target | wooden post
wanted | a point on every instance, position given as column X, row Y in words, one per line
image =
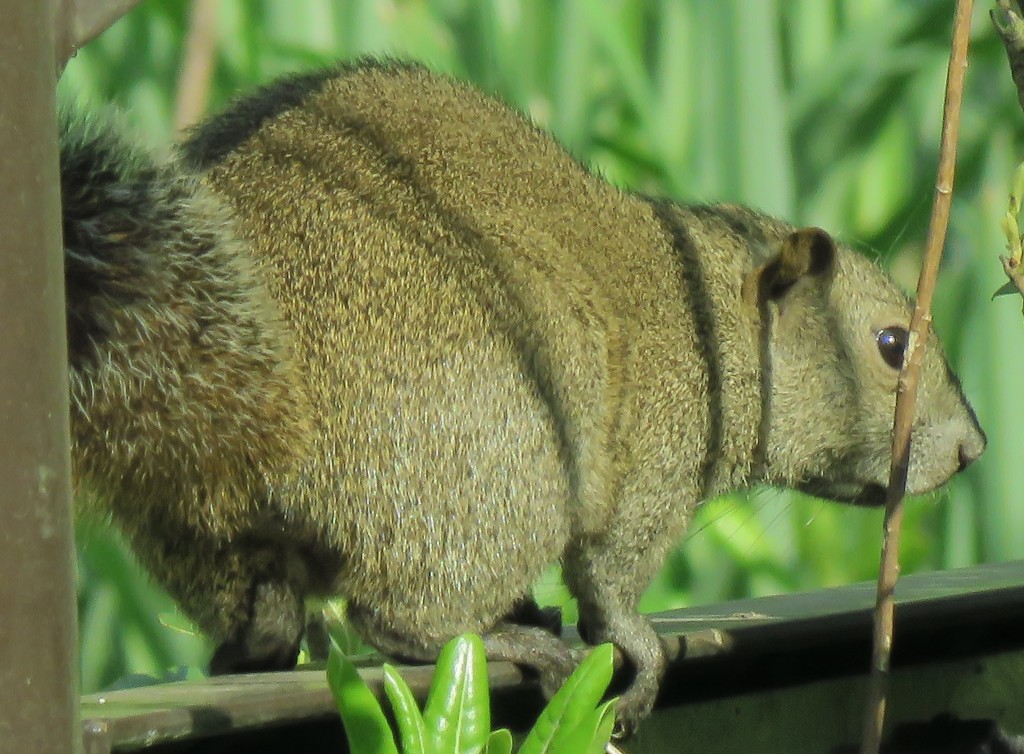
column 38, row 624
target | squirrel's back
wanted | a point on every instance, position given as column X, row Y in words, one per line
column 388, row 197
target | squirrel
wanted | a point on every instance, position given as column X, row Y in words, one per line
column 370, row 332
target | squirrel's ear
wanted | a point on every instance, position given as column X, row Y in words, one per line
column 808, row 252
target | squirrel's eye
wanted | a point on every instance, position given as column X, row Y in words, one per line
column 892, row 344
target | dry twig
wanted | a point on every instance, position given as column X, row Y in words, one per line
column 907, row 394
column 197, row 64
column 81, row 21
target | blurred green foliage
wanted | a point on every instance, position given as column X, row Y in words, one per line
column 826, row 112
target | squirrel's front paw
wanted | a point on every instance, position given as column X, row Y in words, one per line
column 633, row 707
column 645, row 652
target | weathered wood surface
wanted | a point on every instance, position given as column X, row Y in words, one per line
column 733, row 648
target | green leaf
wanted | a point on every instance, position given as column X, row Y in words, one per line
column 411, row 728
column 603, row 729
column 499, row 742
column 1005, row 289
column 458, row 712
column 590, row 736
column 574, row 702
column 366, row 727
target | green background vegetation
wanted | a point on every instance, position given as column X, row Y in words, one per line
column 825, row 112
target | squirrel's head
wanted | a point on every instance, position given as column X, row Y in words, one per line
column 835, row 329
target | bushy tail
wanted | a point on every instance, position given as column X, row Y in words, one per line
column 121, row 206
column 184, row 391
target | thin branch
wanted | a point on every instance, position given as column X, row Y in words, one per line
column 197, row 64
column 909, row 377
column 1010, row 27
column 81, row 21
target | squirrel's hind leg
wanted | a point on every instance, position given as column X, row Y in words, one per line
column 247, row 594
column 269, row 640
column 536, row 648
column 524, row 638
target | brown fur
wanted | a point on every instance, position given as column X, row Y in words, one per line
column 429, row 354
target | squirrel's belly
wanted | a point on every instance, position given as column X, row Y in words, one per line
column 437, row 453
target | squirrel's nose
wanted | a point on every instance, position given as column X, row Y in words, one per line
column 972, row 445
column 966, row 457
